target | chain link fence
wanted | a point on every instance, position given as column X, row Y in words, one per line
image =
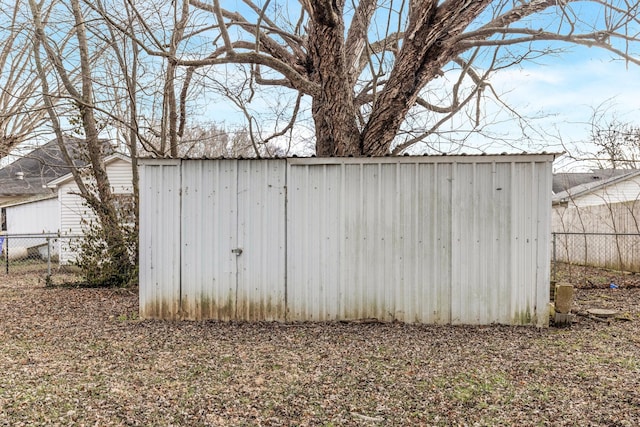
column 614, row 251
column 52, row 255
column 46, row 254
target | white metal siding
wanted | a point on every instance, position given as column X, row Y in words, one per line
column 439, row 242
column 364, row 241
column 261, row 236
column 544, row 180
column 208, row 234
column 34, row 217
column 160, row 240
column 416, row 239
column 231, row 205
column 481, row 243
column 313, row 281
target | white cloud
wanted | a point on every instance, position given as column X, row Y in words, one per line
column 570, row 90
column 566, row 94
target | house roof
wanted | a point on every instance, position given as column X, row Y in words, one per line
column 6, row 202
column 69, row 176
column 596, row 182
column 28, row 175
column 565, row 181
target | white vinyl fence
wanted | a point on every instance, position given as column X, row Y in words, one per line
column 447, row 239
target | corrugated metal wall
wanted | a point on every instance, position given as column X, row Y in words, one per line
column 230, row 206
column 159, row 239
column 416, row 239
column 367, row 240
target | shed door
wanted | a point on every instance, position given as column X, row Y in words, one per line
column 232, row 239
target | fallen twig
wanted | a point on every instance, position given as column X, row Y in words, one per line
column 367, row 418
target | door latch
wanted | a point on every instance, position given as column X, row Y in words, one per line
column 236, row 251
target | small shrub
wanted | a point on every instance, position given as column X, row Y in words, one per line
column 102, row 264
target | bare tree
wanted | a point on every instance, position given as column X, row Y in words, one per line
column 617, row 144
column 371, row 67
column 101, row 200
column 158, row 89
column 20, row 117
column 211, row 140
column 612, row 142
column 376, row 77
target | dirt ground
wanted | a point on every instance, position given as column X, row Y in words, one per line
column 72, row 356
column 594, row 278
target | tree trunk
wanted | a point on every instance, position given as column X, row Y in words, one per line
column 333, row 110
column 427, row 47
column 104, row 207
column 397, row 98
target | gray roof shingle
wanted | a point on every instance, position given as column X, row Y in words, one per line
column 28, row 174
column 565, row 181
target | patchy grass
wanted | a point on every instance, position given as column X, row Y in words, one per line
column 73, row 356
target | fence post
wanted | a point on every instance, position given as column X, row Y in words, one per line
column 6, row 253
column 48, row 256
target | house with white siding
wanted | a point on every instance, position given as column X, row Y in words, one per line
column 38, row 195
column 27, row 203
column 609, row 205
column 596, row 222
column 72, row 209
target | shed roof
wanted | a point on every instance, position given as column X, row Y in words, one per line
column 461, row 157
column 23, row 200
column 426, row 158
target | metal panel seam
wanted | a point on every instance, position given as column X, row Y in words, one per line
column 180, row 311
column 286, row 241
column 455, row 256
column 237, row 234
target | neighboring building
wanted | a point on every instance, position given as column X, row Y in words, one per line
column 25, row 179
column 33, row 217
column 24, row 195
column 38, row 193
column 600, row 205
column 566, row 180
column 596, row 222
column 72, row 209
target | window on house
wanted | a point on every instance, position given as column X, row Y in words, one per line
column 4, row 219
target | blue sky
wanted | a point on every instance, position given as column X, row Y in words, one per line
column 563, row 90
column 567, row 89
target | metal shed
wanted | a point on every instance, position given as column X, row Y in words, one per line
column 441, row 239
